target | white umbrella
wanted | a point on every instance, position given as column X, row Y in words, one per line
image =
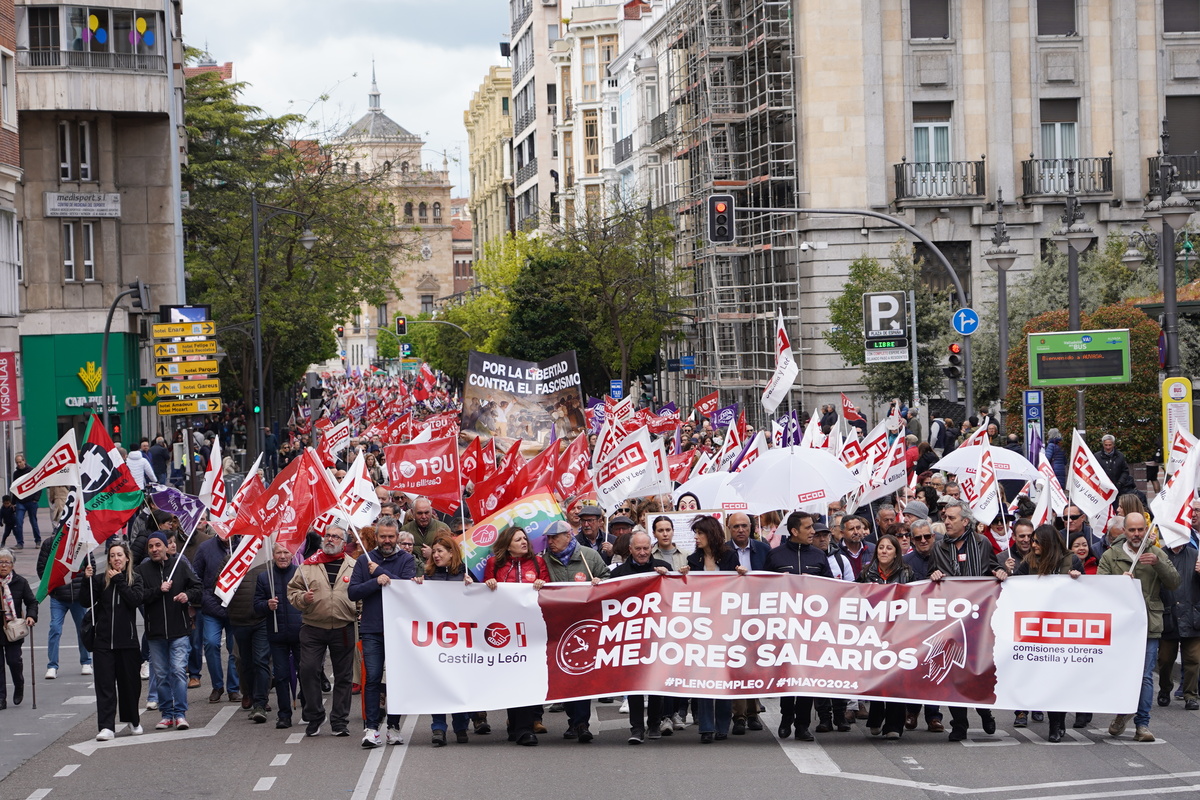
column 711, row 489
column 788, row 478
column 1009, row 465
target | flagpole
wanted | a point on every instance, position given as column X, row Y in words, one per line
column 271, row 580
column 179, row 552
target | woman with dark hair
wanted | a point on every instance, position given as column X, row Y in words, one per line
column 1049, row 556
column 115, row 598
column 902, row 534
column 1081, row 547
column 446, row 564
column 712, row 554
column 926, row 458
column 887, row 567
column 687, row 502
column 512, row 561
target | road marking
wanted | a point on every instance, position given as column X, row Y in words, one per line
column 281, row 760
column 911, row 763
column 809, row 758
column 294, row 738
column 59, row 716
column 264, row 784
column 1095, row 795
column 1079, row 739
column 38, row 794
column 387, row 784
column 211, row 729
column 80, row 700
column 66, row 770
column 367, row 777
column 977, row 738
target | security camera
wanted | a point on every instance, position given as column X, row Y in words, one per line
column 804, row 247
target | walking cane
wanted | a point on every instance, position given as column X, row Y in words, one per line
column 32, row 671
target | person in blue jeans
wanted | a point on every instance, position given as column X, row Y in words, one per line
column 211, row 558
column 283, row 623
column 26, row 506
column 63, row 600
column 374, row 570
column 165, row 603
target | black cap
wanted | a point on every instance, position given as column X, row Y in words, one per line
column 820, row 527
column 621, row 520
column 590, row 510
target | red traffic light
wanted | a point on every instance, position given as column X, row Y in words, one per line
column 955, row 348
column 721, row 208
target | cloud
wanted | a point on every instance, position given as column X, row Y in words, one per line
column 314, row 58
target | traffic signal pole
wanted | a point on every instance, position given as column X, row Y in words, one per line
column 968, row 386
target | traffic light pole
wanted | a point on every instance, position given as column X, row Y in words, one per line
column 968, row 386
column 104, row 355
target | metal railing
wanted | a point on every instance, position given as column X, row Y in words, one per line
column 1187, row 172
column 526, row 172
column 1050, row 176
column 525, row 119
column 70, row 59
column 522, row 69
column 944, row 179
column 661, row 126
column 520, row 13
column 623, row 150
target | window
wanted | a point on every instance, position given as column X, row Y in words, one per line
column 551, row 34
column 933, row 274
column 426, row 304
column 423, row 212
column 929, row 19
column 591, row 142
column 68, row 240
column 381, row 315
column 437, row 212
column 1057, row 17
column 8, row 89
column 357, row 322
column 89, row 30
column 931, row 133
column 20, row 252
column 408, row 212
column 1183, row 116
column 588, row 51
column 1058, row 128
column 504, row 106
column 75, row 151
column 1181, row 16
column 43, row 30
column 87, row 251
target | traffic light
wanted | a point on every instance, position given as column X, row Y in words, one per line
column 341, row 331
column 142, row 298
column 257, row 404
column 401, row 326
column 954, row 369
column 721, row 219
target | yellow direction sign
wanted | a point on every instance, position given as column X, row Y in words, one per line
column 167, row 350
column 178, row 369
column 168, row 330
column 210, row 405
column 177, row 388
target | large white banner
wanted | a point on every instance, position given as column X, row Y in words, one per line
column 1053, row 643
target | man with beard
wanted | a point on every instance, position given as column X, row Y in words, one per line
column 372, row 572
column 319, row 591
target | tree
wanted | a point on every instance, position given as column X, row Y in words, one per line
column 845, row 333
column 236, row 151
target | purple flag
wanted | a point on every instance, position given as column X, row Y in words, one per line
column 725, row 417
column 669, row 408
column 795, row 430
column 598, row 412
column 189, row 509
column 1035, row 441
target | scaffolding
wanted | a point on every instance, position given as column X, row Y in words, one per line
column 731, row 90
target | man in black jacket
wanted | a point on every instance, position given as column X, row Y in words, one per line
column 211, row 558
column 643, row 714
column 165, row 602
column 963, row 553
column 63, row 600
column 799, row 557
column 24, row 605
column 283, row 630
column 1115, row 467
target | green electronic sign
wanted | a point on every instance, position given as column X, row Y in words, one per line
column 1078, row 358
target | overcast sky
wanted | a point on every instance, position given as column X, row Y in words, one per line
column 430, row 57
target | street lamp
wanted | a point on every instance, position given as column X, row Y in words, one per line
column 261, row 214
column 1074, row 235
column 1000, row 256
column 1166, row 215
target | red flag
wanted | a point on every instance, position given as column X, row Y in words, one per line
column 512, row 458
column 680, row 465
column 572, row 468
column 849, row 412
column 110, row 494
column 471, row 463
column 488, row 463
column 707, row 405
column 537, row 472
column 429, row 468
column 741, row 425
column 297, row 496
column 490, row 492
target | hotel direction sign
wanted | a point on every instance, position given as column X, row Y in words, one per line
column 83, row 204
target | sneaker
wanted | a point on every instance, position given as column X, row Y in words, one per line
column 371, row 738
column 1191, row 705
column 145, row 671
column 181, row 723
column 51, row 674
column 892, row 735
column 283, row 723
column 637, row 735
column 439, row 738
column 1117, row 726
column 1143, row 734
column 654, row 731
column 461, row 737
column 136, row 730
column 152, row 705
column 258, row 715
column 85, row 669
column 677, row 722
column 394, row 737
column 165, row 725
column 583, row 733
column 105, row 735
column 313, row 729
column 1022, row 720
column 193, row 683
column 215, row 696
column 341, row 732
column 624, row 709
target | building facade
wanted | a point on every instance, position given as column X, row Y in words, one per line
column 99, row 92
column 489, row 124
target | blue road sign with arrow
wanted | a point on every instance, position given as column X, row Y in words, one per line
column 965, row 321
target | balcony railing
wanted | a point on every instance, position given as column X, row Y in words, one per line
column 940, row 179
column 522, row 69
column 524, row 120
column 1051, row 176
column 1187, row 172
column 526, row 172
column 661, row 126
column 117, row 62
column 623, row 149
column 520, row 12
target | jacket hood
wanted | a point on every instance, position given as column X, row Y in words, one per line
column 134, row 455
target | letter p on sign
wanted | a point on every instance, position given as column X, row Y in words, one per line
column 883, row 308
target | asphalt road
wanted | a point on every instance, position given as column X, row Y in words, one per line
column 50, row 752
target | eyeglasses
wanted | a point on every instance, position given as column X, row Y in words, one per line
column 333, row 537
column 405, row 544
column 924, row 538
column 1075, row 516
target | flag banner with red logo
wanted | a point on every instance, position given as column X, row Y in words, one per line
column 425, row 468
column 470, row 463
column 572, row 468
column 238, row 567
column 516, row 399
column 630, row 469
column 1053, row 643
column 334, row 440
column 849, row 412
column 1172, row 507
column 212, row 491
column 297, row 496
column 785, row 369
column 73, row 541
column 59, row 467
column 708, row 404
column 252, row 486
column 1088, row 485
column 534, row 513
column 110, row 493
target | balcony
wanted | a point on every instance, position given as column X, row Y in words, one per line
column 662, row 125
column 623, row 150
column 522, row 69
column 524, row 120
column 526, row 172
column 917, row 180
column 70, row 59
column 1049, row 176
column 1187, row 172
column 520, row 10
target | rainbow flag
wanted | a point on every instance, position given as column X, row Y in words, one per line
column 533, row 512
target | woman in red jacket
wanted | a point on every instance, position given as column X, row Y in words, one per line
column 512, row 561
